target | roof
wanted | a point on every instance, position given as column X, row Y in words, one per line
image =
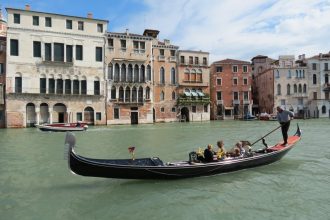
column 40, row 12
column 231, row 61
column 259, row 56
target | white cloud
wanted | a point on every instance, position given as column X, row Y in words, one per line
column 239, row 29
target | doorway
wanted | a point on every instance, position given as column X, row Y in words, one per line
column 185, row 114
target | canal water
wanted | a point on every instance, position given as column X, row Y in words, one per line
column 35, row 182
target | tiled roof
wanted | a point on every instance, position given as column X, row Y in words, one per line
column 231, row 61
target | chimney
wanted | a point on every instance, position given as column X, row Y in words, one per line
column 90, row 15
column 127, row 31
column 27, row 7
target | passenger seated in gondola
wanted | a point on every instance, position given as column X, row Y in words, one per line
column 208, row 154
column 221, row 153
column 238, row 150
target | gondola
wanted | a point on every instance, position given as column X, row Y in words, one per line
column 155, row 168
column 63, row 127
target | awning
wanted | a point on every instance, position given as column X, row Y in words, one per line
column 200, row 94
column 229, row 108
column 194, row 94
column 187, row 93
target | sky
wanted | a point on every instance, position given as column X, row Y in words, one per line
column 235, row 29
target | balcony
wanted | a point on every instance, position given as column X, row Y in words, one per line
column 219, row 102
column 326, row 87
column 246, row 102
column 127, row 102
column 193, row 100
column 172, row 59
column 56, row 63
column 300, row 95
column 236, row 102
column 161, row 58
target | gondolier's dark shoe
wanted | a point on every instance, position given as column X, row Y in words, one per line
column 284, row 144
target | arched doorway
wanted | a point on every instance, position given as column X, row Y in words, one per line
column 44, row 113
column 185, row 114
column 30, row 115
column 59, row 113
column 89, row 115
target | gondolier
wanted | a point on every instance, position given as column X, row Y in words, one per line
column 284, row 117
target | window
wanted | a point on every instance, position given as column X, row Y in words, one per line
column 48, row 51
column 83, row 87
column 245, row 81
column 314, row 95
column 305, row 88
column 162, row 76
column 35, row 20
column 96, row 87
column 51, row 86
column 18, row 84
column 79, row 52
column 219, row 95
column 75, row 89
column 59, row 52
column 100, row 28
column 173, row 76
column 314, row 79
column 69, row 53
column 288, row 89
column 172, row 53
column 326, row 68
column 14, row 47
column 278, row 89
column 193, row 108
column 123, row 44
column 173, row 109
column 162, row 96
column 235, row 81
column 173, row 95
column 68, row 24
column 235, row 95
column 323, row 109
column 36, row 49
column 43, row 85
column 206, row 109
column 98, row 54
column 191, row 60
column 289, row 74
column 282, row 101
column 219, row 69
column 17, row 18
column 67, row 84
column 162, row 109
column 295, row 88
column 48, row 21
column 245, row 96
column 235, row 69
column 149, row 73
column 196, row 61
column 219, row 81
column 300, row 101
column 314, row 66
column 2, row 68
column 147, row 93
column 79, row 116
column 110, row 42
column 98, row 116
column 80, row 25
column 245, row 69
column 277, row 74
column 59, row 86
column 161, row 52
column 181, row 59
column 116, row 113
column 204, row 61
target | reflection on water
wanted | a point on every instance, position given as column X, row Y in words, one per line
column 36, row 184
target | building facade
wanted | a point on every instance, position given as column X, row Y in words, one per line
column 319, row 85
column 55, row 68
column 129, row 78
column 3, row 30
column 193, row 100
column 231, row 95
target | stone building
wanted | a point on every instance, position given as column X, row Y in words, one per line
column 165, row 79
column 129, row 78
column 230, row 89
column 55, row 68
column 194, row 86
column 319, row 85
column 3, row 29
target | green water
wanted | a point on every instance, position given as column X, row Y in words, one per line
column 35, row 182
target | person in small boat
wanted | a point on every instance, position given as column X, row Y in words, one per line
column 238, row 150
column 221, row 153
column 284, row 117
column 208, row 153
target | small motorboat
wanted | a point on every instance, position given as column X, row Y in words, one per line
column 63, row 127
column 155, row 168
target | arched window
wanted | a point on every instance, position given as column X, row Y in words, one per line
column 324, row 109
column 303, row 74
column 134, row 94
column 277, row 74
column 116, row 74
column 173, row 76
column 300, row 74
column 314, row 79
column 288, row 88
column 199, row 75
column 278, row 89
column 299, row 88
column 123, row 73
column 193, row 75
column 296, row 73
column 110, row 71
column 186, row 75
column 305, row 88
column 326, row 78
column 140, row 94
column 127, row 94
column 121, row 94
column 113, row 92
column 148, row 73
column 289, row 73
column 162, row 96
column 142, row 74
column 130, row 73
column 148, row 93
column 97, row 86
column 173, row 95
column 162, row 75
column 136, row 73
column 295, row 88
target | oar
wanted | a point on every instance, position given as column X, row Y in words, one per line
column 265, row 135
